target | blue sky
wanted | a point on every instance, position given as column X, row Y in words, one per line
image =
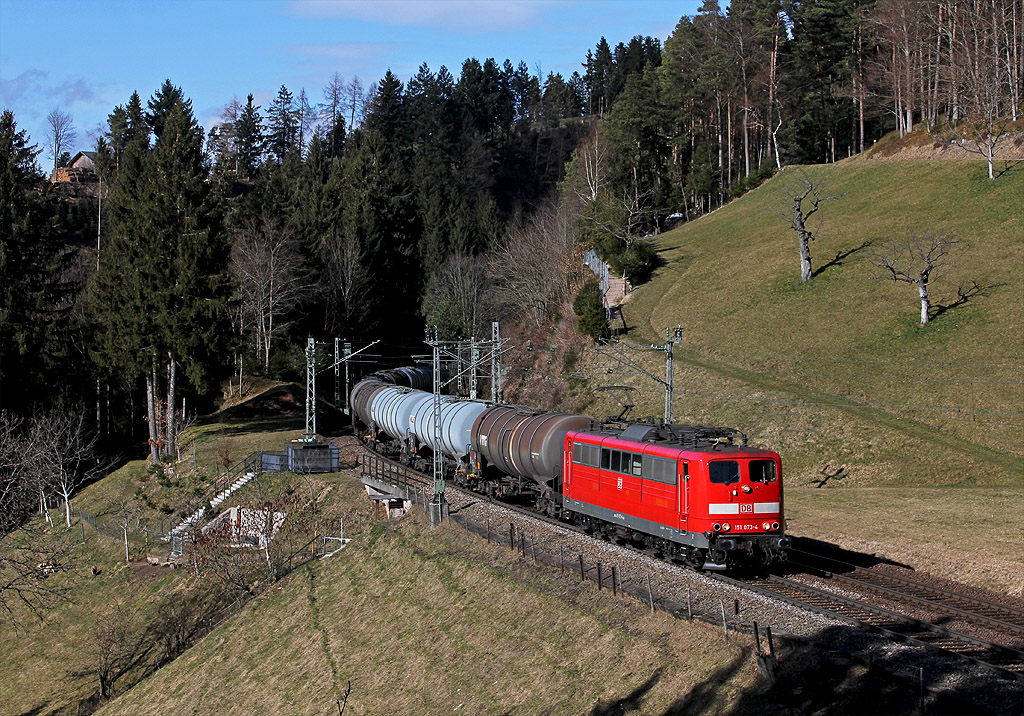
column 86, row 56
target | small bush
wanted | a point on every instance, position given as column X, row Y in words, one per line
column 589, row 307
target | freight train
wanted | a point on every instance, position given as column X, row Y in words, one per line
column 695, row 494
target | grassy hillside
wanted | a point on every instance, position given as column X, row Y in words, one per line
column 44, row 664
column 838, row 371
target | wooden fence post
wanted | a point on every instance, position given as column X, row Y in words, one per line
column 650, row 593
column 599, row 578
column 725, row 624
column 583, row 574
column 689, row 609
column 615, row 579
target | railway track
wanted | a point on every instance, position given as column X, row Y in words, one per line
column 899, row 627
column 1005, row 619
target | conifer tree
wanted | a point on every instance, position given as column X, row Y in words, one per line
column 30, row 263
column 249, row 139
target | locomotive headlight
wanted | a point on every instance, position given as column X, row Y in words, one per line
column 716, row 527
column 767, row 526
column 726, row 527
column 775, row 525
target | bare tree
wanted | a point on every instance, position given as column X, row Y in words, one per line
column 29, row 553
column 120, row 645
column 127, row 509
column 355, row 100
column 64, row 447
column 919, row 261
column 60, row 133
column 537, row 266
column 271, row 273
column 983, row 81
column 458, row 296
column 805, row 197
column 345, row 281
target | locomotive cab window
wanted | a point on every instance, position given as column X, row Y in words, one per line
column 762, row 471
column 724, row 472
column 584, row 454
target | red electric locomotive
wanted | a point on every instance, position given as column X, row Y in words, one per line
column 688, row 491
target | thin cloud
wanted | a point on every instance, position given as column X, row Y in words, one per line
column 77, row 91
column 27, row 83
column 34, row 85
column 462, row 14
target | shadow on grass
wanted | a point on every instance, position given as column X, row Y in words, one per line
column 1009, row 165
column 630, row 702
column 858, row 559
column 963, row 296
column 815, row 679
column 840, row 257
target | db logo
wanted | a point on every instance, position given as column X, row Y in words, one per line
column 746, row 508
column 620, row 483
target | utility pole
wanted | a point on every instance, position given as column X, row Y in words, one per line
column 454, row 351
column 337, row 374
column 310, row 435
column 496, row 342
column 670, row 341
column 438, row 503
column 311, row 371
column 348, row 384
column 614, row 349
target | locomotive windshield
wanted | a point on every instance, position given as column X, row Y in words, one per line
column 724, row 472
column 762, row 471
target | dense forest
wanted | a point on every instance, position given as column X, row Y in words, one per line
column 448, row 200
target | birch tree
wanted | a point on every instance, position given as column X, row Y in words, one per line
column 272, row 279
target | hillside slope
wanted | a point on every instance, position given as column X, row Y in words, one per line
column 838, row 370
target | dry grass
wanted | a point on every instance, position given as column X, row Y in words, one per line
column 39, row 658
column 422, row 621
column 975, row 538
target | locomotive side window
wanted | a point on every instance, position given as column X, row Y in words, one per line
column 606, row 458
column 659, row 469
column 636, row 465
column 584, row 454
column 762, row 471
column 724, row 472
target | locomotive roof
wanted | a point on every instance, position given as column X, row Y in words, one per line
column 676, row 435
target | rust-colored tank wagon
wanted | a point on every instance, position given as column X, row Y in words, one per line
column 523, row 442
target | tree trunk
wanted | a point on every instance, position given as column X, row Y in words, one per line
column 172, row 384
column 922, row 289
column 67, row 506
column 805, row 256
column 154, row 455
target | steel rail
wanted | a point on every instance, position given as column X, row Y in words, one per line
column 1007, row 661
column 974, row 609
